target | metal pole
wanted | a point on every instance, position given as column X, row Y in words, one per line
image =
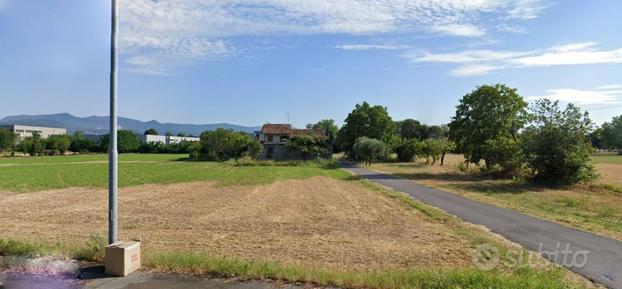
column 113, row 172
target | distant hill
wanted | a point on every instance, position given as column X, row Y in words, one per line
column 99, row 124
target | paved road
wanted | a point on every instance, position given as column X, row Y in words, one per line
column 604, row 256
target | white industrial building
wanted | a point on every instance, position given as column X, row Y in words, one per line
column 23, row 131
column 167, row 140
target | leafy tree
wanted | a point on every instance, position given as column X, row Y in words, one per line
column 168, row 133
column 612, row 133
column 26, row 145
column 366, row 121
column 151, row 131
column 487, row 116
column 36, row 145
column 194, row 149
column 223, row 144
column 557, row 144
column 309, row 146
column 410, row 129
column 7, row 140
column 407, row 149
column 127, row 141
column 330, row 130
column 59, row 143
column 369, row 150
column 181, row 134
column 596, row 138
column 79, row 143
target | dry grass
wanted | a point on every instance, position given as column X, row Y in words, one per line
column 315, row 222
column 593, row 208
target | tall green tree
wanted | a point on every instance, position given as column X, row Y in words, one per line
column 308, row 146
column 557, row 144
column 410, row 129
column 127, row 141
column 366, row 121
column 330, row 130
column 151, row 131
column 223, row 144
column 485, row 118
column 7, row 140
column 59, row 143
column 612, row 133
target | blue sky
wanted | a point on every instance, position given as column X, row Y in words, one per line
column 254, row 61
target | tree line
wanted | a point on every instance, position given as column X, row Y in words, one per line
column 494, row 127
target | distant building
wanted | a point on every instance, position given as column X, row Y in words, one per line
column 167, row 140
column 274, row 138
column 23, row 131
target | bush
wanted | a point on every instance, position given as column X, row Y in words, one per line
column 406, row 150
column 369, row 150
column 222, row 144
column 557, row 144
column 308, row 146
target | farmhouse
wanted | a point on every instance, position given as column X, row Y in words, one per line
column 23, row 131
column 274, row 138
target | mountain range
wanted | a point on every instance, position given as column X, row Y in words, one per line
column 99, row 124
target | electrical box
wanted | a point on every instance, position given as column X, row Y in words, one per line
column 122, row 258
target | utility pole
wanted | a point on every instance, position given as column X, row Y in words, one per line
column 113, row 170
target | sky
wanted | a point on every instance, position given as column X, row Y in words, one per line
column 250, row 62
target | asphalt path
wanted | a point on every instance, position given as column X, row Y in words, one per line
column 595, row 257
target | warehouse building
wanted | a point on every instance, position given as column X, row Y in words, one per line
column 23, row 131
column 167, row 140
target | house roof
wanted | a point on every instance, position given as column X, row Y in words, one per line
column 276, row 128
column 286, row 129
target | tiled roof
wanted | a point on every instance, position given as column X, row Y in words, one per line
column 287, row 129
column 276, row 128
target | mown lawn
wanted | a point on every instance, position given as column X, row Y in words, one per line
column 596, row 207
column 607, row 159
column 42, row 173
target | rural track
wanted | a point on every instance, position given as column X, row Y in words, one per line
column 604, row 256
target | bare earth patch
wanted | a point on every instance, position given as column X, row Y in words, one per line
column 318, row 222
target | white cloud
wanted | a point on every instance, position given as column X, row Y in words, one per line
column 186, row 31
column 477, row 62
column 602, row 95
column 370, row 47
column 459, row 29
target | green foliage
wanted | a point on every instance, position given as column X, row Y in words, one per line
column 58, row 143
column 406, row 150
column 7, row 139
column 79, row 143
column 411, row 129
column 434, row 149
column 366, row 121
column 127, row 142
column 308, row 146
column 486, row 118
column 223, row 144
column 369, row 150
column 612, row 133
column 330, row 131
column 151, row 131
column 557, row 144
column 194, row 149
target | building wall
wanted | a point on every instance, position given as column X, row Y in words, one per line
column 167, row 140
column 24, row 131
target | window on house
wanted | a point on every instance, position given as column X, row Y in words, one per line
column 270, row 138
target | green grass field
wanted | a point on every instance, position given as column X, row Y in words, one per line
column 42, row 173
column 607, row 159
